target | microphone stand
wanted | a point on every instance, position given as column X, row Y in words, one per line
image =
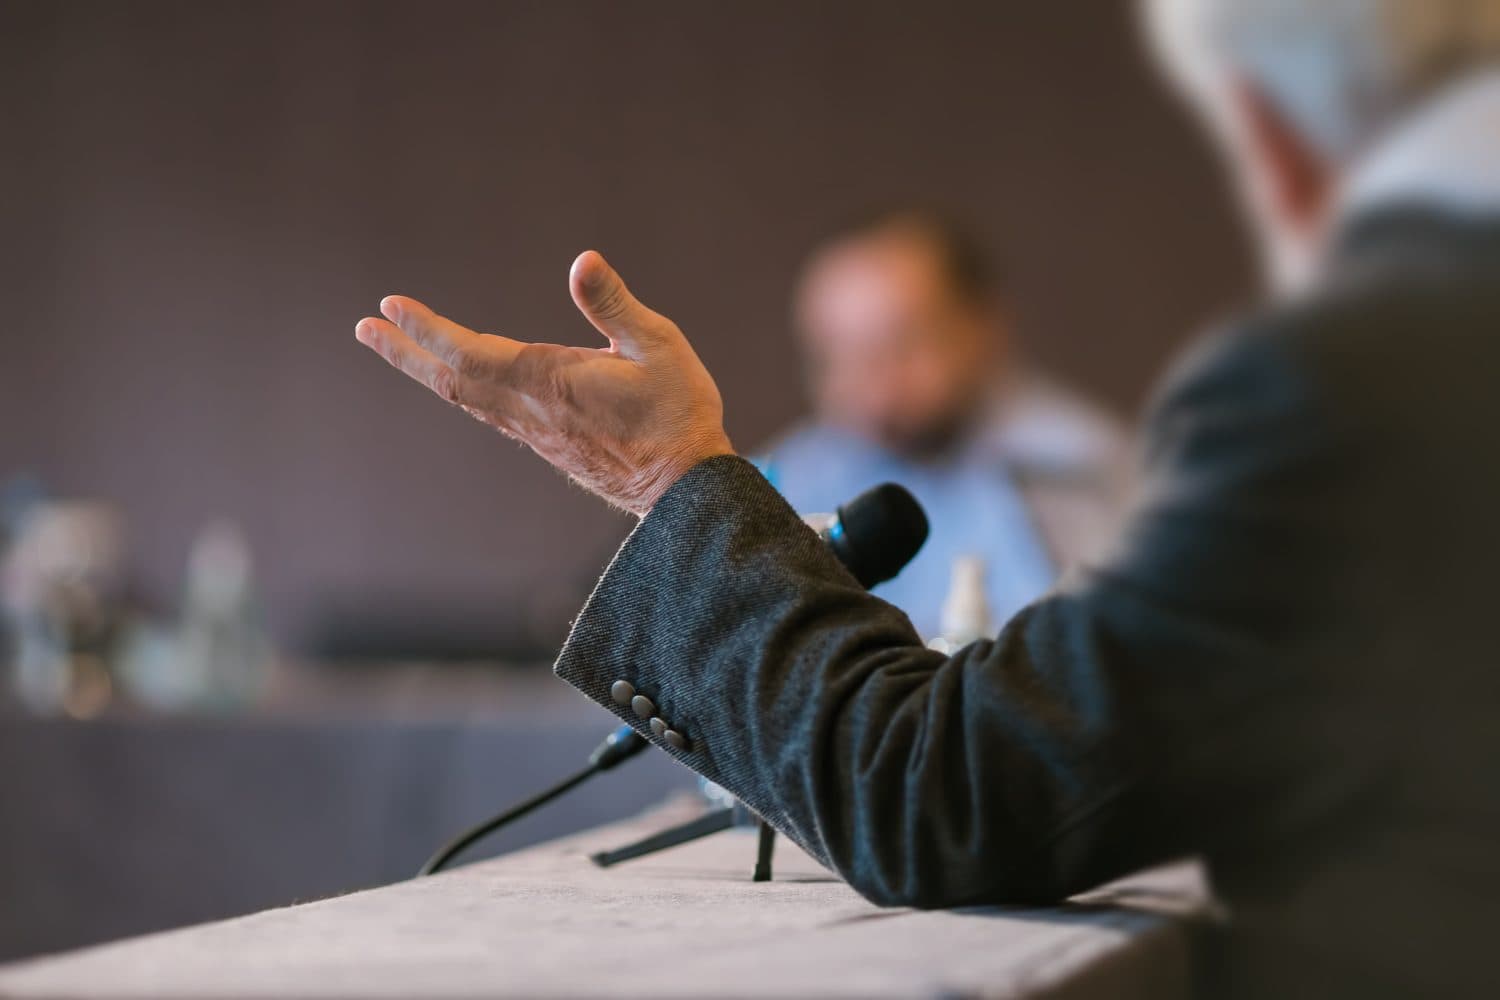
column 721, row 818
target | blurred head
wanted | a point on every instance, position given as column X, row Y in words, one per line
column 901, row 331
column 1298, row 90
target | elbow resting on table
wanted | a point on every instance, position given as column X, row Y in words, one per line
column 921, row 877
column 897, row 844
column 918, row 812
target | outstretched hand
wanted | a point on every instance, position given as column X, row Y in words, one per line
column 624, row 421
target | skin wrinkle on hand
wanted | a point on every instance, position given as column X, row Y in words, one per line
column 625, row 422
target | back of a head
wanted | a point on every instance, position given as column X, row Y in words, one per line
column 1341, row 71
column 1396, row 356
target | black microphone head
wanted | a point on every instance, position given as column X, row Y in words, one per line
column 878, row 533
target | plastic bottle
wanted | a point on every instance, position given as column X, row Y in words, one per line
column 965, row 615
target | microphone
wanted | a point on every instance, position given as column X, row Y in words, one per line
column 877, row 533
column 874, row 535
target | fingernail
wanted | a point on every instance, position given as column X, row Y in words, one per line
column 593, row 273
column 388, row 308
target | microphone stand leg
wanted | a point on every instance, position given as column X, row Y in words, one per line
column 708, row 823
column 763, row 853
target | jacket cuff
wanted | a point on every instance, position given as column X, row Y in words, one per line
column 630, row 648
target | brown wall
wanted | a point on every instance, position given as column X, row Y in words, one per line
column 198, row 200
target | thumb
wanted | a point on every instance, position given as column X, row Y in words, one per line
column 602, row 297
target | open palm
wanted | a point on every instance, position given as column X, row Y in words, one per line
column 625, row 421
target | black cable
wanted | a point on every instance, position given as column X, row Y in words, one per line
column 620, row 745
column 442, row 857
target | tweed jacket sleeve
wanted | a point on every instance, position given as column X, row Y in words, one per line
column 1072, row 748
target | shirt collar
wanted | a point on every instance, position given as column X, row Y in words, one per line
column 1445, row 156
column 1032, row 424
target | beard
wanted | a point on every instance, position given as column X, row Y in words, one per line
column 931, row 439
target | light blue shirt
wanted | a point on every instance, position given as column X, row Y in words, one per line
column 973, row 503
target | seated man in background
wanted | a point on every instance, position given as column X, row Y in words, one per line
column 915, row 379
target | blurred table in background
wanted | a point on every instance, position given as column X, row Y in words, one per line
column 346, row 779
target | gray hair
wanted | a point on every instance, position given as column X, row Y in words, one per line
column 1339, row 70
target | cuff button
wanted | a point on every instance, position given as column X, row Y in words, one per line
column 643, row 706
column 622, row 692
column 675, row 740
column 658, row 725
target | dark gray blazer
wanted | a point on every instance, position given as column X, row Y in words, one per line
column 1287, row 666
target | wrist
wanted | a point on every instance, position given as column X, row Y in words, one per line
column 678, row 466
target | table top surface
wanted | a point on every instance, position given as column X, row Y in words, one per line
column 686, row 922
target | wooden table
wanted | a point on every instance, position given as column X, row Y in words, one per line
column 688, row 922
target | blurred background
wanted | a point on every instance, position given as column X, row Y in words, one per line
column 305, row 608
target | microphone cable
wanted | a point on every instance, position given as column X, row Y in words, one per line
column 618, row 746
